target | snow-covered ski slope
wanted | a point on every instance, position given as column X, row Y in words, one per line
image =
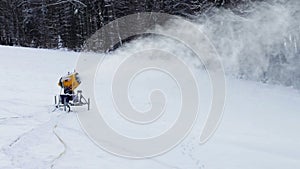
column 259, row 130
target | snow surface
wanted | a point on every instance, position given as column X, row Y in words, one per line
column 260, row 127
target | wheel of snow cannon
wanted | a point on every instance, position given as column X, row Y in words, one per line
column 65, row 103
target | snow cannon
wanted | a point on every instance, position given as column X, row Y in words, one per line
column 69, row 97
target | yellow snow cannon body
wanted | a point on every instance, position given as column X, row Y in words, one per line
column 70, row 81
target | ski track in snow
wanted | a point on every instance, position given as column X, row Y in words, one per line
column 62, row 142
column 27, row 134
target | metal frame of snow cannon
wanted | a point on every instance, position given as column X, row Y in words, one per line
column 77, row 100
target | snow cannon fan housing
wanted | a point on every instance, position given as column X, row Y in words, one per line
column 70, row 81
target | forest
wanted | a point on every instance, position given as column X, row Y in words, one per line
column 68, row 23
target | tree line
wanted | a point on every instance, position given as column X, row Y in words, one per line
column 67, row 23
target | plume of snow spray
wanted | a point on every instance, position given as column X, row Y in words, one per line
column 258, row 41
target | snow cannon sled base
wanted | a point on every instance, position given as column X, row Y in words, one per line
column 69, row 100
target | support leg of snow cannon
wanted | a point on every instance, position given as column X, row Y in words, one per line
column 79, row 96
column 56, row 104
column 82, row 99
column 89, row 103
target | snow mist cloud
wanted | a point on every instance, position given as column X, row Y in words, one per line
column 257, row 41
